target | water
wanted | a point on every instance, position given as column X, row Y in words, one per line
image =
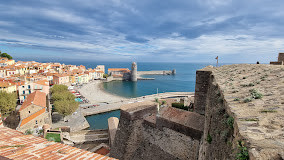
column 99, row 121
column 183, row 81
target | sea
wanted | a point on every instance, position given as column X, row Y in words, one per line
column 182, row 81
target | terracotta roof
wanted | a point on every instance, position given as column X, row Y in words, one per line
column 26, row 120
column 43, row 82
column 61, row 75
column 16, row 145
column 37, row 98
column 5, row 84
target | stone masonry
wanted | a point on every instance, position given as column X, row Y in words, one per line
column 143, row 133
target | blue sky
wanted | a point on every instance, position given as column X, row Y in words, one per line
column 238, row 31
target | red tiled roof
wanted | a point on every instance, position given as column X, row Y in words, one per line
column 16, row 145
column 26, row 120
column 43, row 82
column 37, row 98
column 5, row 84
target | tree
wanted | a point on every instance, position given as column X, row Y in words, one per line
column 64, row 95
column 6, row 55
column 58, row 88
column 105, row 75
column 65, row 107
column 63, row 100
column 8, row 102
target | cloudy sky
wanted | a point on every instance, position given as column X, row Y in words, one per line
column 238, row 31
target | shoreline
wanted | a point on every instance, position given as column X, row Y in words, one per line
column 95, row 93
column 102, row 89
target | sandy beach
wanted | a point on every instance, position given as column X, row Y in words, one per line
column 95, row 93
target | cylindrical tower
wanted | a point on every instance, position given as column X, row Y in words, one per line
column 134, row 72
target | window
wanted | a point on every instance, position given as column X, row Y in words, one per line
column 23, row 86
column 24, row 97
column 29, row 111
column 23, row 92
column 29, row 91
column 29, row 86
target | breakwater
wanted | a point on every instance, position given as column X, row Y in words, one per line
column 157, row 72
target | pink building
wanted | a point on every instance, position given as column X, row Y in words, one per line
column 61, row 79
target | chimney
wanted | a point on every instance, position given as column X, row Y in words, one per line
column 45, row 127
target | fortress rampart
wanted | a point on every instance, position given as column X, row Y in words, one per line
column 238, row 114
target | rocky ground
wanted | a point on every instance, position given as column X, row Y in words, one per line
column 255, row 95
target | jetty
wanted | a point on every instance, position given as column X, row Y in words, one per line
column 157, row 72
column 141, row 78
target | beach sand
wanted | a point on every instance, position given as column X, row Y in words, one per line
column 95, row 93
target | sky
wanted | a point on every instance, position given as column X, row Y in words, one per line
column 238, row 31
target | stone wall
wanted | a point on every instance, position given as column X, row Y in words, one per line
column 243, row 112
column 201, row 89
column 143, row 133
column 281, row 57
column 220, row 131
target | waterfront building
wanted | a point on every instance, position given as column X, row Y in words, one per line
column 61, row 79
column 100, row 68
column 83, row 78
column 119, row 73
column 34, row 112
column 100, row 74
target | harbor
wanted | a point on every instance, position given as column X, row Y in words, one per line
column 103, row 102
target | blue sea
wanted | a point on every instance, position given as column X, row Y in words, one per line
column 183, row 81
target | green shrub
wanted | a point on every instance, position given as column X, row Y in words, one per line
column 157, row 100
column 251, row 84
column 177, row 105
column 180, row 106
column 243, row 152
column 164, row 102
column 248, row 99
column 209, row 138
column 267, row 111
column 236, row 99
column 28, row 131
column 40, row 132
column 230, row 122
column 53, row 137
column 255, row 94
